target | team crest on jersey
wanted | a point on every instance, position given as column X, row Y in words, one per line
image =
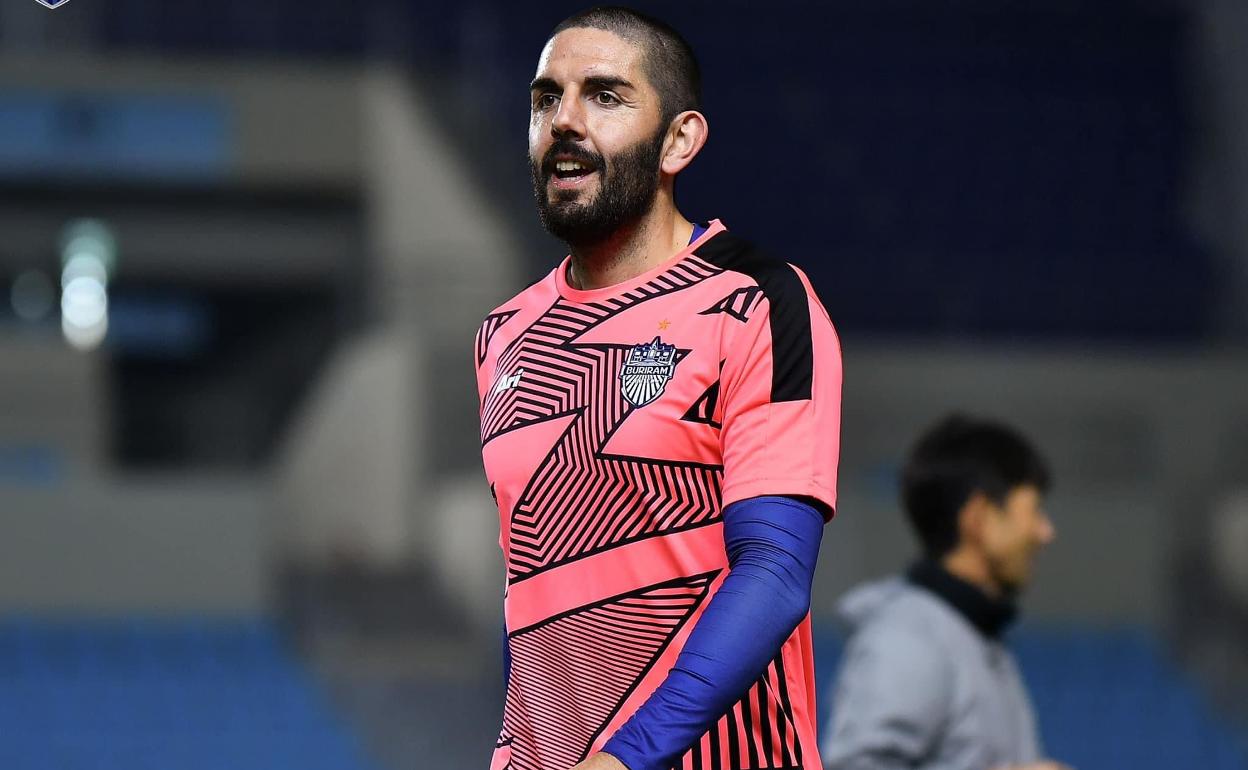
column 646, row 371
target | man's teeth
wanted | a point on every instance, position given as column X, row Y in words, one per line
column 571, row 165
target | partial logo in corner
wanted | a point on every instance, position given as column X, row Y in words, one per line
column 53, row 4
column 646, row 371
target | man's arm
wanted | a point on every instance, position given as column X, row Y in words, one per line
column 772, row 545
column 780, row 435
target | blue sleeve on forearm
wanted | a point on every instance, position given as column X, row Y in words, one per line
column 506, row 657
column 772, row 545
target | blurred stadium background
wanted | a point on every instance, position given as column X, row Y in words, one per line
column 244, row 248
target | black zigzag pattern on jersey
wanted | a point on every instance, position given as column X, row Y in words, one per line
column 581, row 500
column 738, row 304
column 504, row 741
column 491, row 324
column 703, row 409
column 748, row 733
column 571, row 673
column 793, row 361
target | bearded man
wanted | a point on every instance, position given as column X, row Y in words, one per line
column 660, row 420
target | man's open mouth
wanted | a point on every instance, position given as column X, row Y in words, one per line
column 572, row 169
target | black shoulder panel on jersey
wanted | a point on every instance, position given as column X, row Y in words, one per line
column 792, row 355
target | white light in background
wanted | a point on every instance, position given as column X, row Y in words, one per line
column 84, row 312
column 32, row 295
column 88, row 252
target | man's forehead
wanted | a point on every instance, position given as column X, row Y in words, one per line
column 581, row 52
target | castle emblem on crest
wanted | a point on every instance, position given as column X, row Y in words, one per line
column 646, row 371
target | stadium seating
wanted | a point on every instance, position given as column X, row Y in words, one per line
column 132, row 694
column 137, row 694
column 1105, row 700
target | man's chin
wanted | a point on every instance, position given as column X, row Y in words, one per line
column 1014, row 585
column 564, row 197
column 566, row 213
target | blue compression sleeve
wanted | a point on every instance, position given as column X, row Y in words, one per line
column 772, row 545
column 506, row 657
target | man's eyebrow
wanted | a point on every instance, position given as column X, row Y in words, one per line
column 593, row 81
column 607, row 81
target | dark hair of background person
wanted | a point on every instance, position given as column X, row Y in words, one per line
column 668, row 60
column 953, row 460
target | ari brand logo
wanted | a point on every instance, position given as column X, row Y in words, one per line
column 506, row 382
column 53, row 4
column 646, row 371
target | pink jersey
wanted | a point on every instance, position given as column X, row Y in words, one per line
column 616, row 424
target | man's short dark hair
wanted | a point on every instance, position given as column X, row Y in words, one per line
column 953, row 460
column 667, row 59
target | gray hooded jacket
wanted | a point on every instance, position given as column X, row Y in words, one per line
column 921, row 686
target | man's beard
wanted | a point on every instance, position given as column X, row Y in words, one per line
column 627, row 186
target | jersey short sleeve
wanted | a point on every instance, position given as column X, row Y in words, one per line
column 782, row 396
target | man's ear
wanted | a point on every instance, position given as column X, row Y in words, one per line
column 971, row 517
column 685, row 136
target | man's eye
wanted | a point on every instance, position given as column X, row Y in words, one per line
column 545, row 101
column 606, row 97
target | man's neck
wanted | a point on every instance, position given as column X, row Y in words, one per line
column 991, row 615
column 971, row 567
column 632, row 250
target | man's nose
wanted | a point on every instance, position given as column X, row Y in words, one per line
column 569, row 119
column 1046, row 532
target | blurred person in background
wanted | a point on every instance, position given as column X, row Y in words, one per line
column 660, row 428
column 926, row 681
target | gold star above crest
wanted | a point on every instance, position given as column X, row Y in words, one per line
column 664, row 324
